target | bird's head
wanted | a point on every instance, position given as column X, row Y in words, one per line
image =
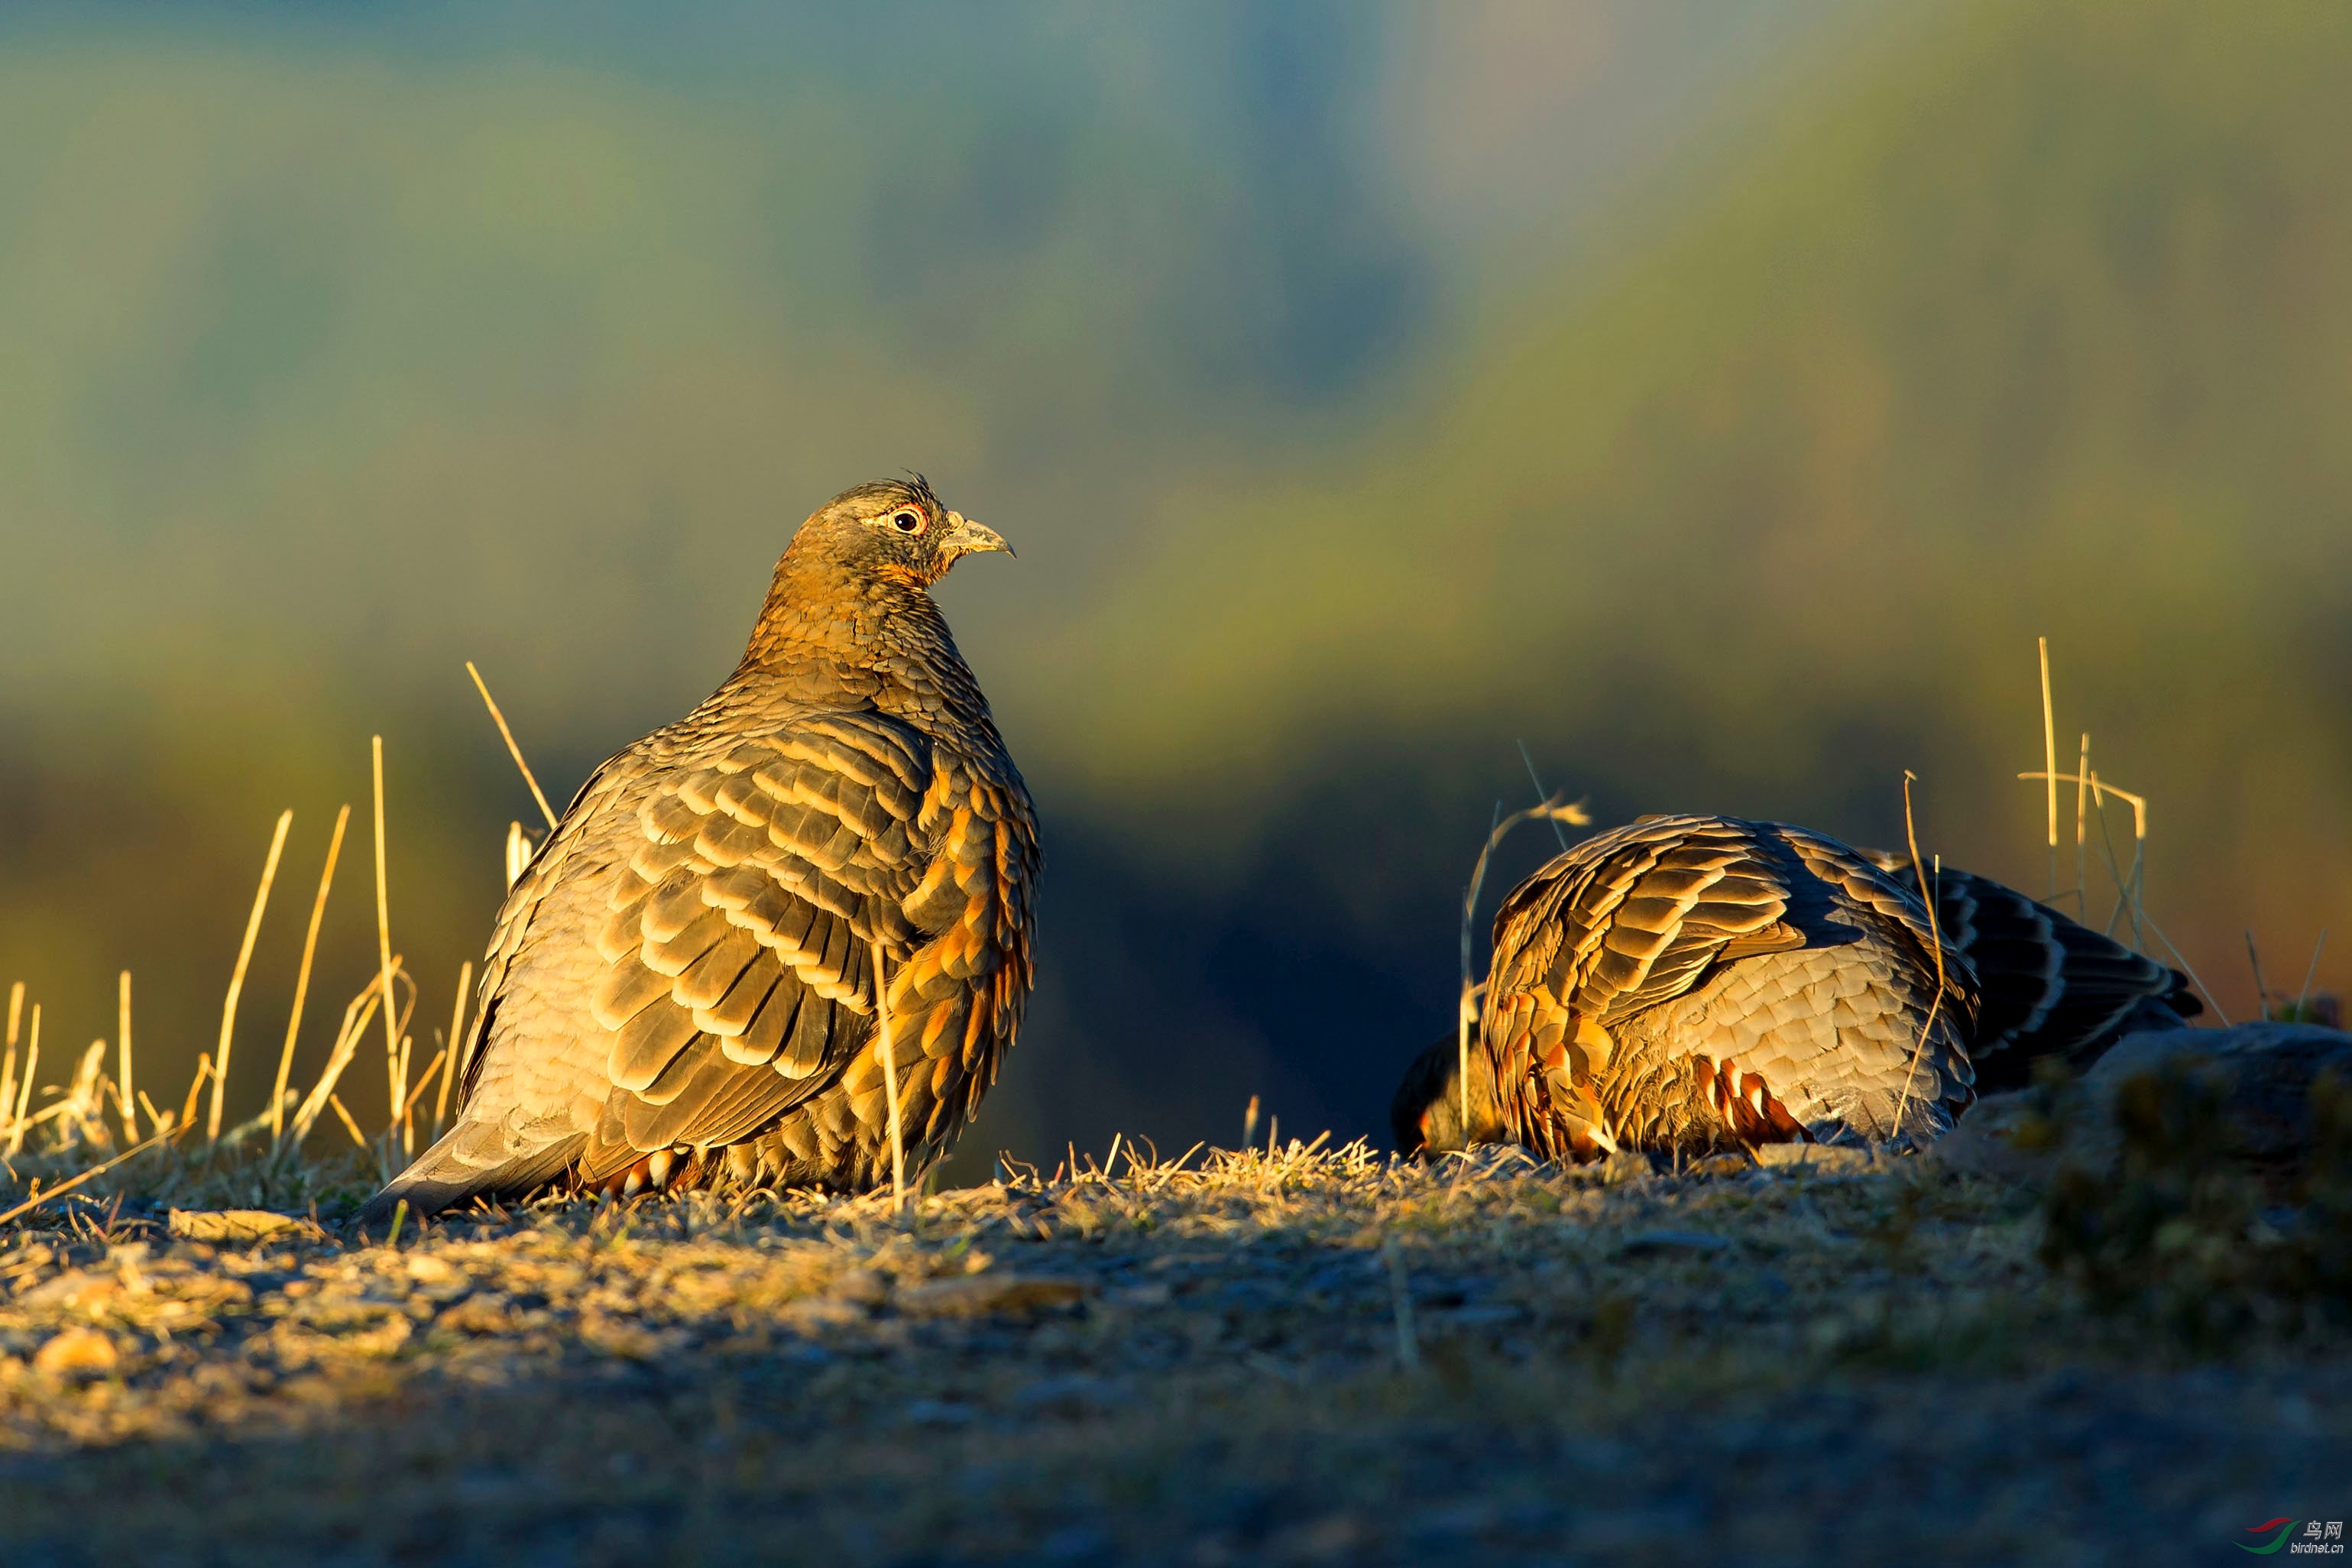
column 892, row 528
column 1426, row 1114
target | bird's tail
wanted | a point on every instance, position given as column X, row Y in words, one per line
column 469, row 1162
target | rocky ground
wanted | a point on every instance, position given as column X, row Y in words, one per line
column 1304, row 1357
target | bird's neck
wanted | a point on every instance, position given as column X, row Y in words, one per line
column 824, row 636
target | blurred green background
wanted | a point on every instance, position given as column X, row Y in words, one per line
column 1718, row 397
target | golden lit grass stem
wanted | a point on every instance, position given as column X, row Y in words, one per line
column 890, row 1083
column 196, row 1087
column 126, row 1092
column 2050, row 762
column 8, row 1063
column 357, row 1015
column 456, row 1039
column 349, row 1125
column 400, row 1087
column 2303, row 995
column 512, row 750
column 2082, row 799
column 302, row 979
column 236, row 976
column 424, row 1081
column 2133, row 885
column 518, row 854
column 24, row 1085
column 383, row 933
column 1928, row 891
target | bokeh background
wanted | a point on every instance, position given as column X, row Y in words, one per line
column 1719, row 398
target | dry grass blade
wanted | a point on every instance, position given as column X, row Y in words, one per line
column 357, row 1015
column 1557, row 830
column 196, row 1087
column 1936, row 945
column 349, row 1125
column 424, row 1081
column 456, row 1046
column 512, row 750
column 302, row 979
column 236, row 977
column 518, row 854
column 2082, row 799
column 2132, row 884
column 2261, row 992
column 890, row 1082
column 384, row 934
column 2050, row 762
column 8, row 1063
column 2304, row 997
column 125, row 1092
column 25, row 1086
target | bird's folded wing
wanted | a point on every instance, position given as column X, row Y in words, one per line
column 724, row 945
column 1636, row 916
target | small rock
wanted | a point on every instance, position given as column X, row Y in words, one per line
column 75, row 1287
column 937, row 1413
column 978, row 1294
column 816, row 1314
column 1627, row 1167
column 2264, row 1072
column 76, row 1353
column 1651, row 1243
column 861, row 1287
column 1150, row 1293
column 1842, row 1159
column 234, row 1226
column 1072, row 1395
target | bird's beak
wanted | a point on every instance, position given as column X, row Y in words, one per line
column 965, row 537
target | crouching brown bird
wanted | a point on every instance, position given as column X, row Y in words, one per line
column 1693, row 1036
column 681, row 988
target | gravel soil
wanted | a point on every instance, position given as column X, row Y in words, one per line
column 1307, row 1357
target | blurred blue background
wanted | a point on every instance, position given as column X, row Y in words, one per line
column 1718, row 397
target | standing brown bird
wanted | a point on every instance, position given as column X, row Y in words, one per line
column 2027, row 983
column 681, row 988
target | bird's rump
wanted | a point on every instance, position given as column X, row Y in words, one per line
column 2051, row 986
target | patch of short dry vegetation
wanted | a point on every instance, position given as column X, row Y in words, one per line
column 1305, row 1356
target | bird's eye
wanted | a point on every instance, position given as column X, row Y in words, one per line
column 908, row 522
